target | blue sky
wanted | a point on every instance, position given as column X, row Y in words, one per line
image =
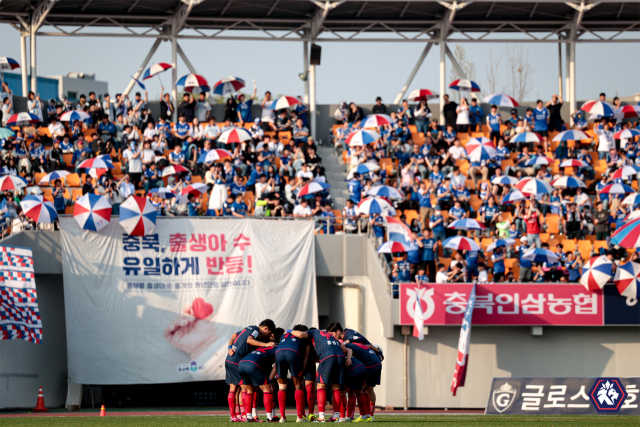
column 355, row 71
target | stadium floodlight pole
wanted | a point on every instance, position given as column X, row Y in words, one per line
column 23, row 65
column 443, row 87
column 560, row 70
column 142, row 66
column 404, row 89
column 34, row 65
column 305, row 67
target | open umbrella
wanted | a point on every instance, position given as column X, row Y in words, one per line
column 628, row 111
column 96, row 163
column 573, row 163
column 92, row 212
column 376, row 120
column 391, row 246
column 571, row 135
column 479, row 152
column 596, row 273
column 464, row 84
column 626, row 133
column 6, row 133
column 461, row 243
column 313, row 187
column 533, row 186
column 501, row 100
column 284, row 102
column 632, row 199
column 8, row 63
column 466, row 224
column 568, row 182
column 626, row 279
column 387, row 191
column 500, row 243
column 38, row 209
column 505, row 180
column 540, row 256
column 598, row 108
column 228, row 85
column 362, row 137
column 513, row 196
column 137, row 216
column 197, row 189
column 420, row 94
column 155, row 69
column 51, row 177
column 234, row 136
column 163, row 192
column 527, row 138
column 22, row 119
column 174, row 169
column 363, row 168
column 375, row 205
column 625, row 172
column 538, row 160
column 633, row 215
column 71, row 116
column 12, row 183
column 615, row 188
column 192, row 81
column 214, row 155
column 481, row 140
column 627, row 236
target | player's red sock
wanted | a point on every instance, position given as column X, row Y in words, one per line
column 268, row 402
column 255, row 400
column 362, row 404
column 299, row 403
column 337, row 400
column 372, row 407
column 248, row 403
column 231, row 399
column 282, row 401
column 351, row 406
column 322, row 399
column 311, row 399
column 343, row 405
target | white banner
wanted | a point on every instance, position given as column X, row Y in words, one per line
column 161, row 308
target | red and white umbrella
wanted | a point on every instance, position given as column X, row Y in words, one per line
column 313, row 187
column 479, row 141
column 97, row 163
column 235, row 136
column 376, row 120
column 527, row 137
column 598, row 108
column 71, row 116
column 214, row 155
column 155, row 69
column 228, row 85
column 479, row 152
column 625, row 172
column 137, row 216
column 22, row 119
column 284, row 102
column 8, row 63
column 461, row 243
column 533, row 186
column 174, row 169
column 626, row 134
column 92, row 212
column 38, row 209
column 362, row 137
column 420, row 94
column 391, row 246
column 193, row 81
column 12, row 183
column 501, row 100
column 573, row 163
column 197, row 189
column 628, row 111
column 596, row 273
column 626, row 279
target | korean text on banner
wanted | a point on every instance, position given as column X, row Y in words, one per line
column 161, row 308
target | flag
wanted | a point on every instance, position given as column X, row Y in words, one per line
column 139, row 83
column 19, row 313
column 462, row 362
column 418, row 318
column 397, row 230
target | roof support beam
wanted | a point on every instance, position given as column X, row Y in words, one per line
column 490, row 9
column 320, row 15
column 578, row 15
column 404, row 89
column 450, row 15
column 40, row 13
column 454, row 62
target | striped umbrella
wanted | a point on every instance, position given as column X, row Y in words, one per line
column 625, row 172
column 97, row 163
column 155, row 69
column 22, row 119
column 363, row 168
column 628, row 236
column 12, row 183
column 72, row 116
column 516, row 196
column 628, row 111
column 376, row 120
column 235, row 136
column 501, row 100
column 505, row 180
column 284, row 102
column 596, row 273
column 6, row 133
column 599, row 108
column 313, row 187
column 163, row 192
column 228, row 85
column 540, row 256
column 568, row 182
column 466, row 224
column 473, row 143
column 626, row 279
column 527, row 138
column 420, row 94
column 174, row 169
column 193, row 81
column 362, row 137
column 464, row 84
column 375, row 205
column 461, row 243
column 92, row 212
column 615, row 188
column 479, row 152
column 392, row 246
column 632, row 199
column 137, row 216
column 197, row 189
column 633, row 215
column 573, row 163
column 7, row 63
column 387, row 191
column 571, row 135
column 51, row 177
column 538, row 160
column 38, row 209
column 500, row 243
column 626, row 133
column 533, row 186
column 214, row 155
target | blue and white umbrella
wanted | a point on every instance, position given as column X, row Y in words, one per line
column 568, row 182
column 596, row 273
column 38, row 209
column 363, row 168
column 571, row 135
column 500, row 243
column 527, row 137
column 533, row 186
column 477, row 153
column 375, row 205
column 92, row 212
column 540, row 256
column 632, row 199
column 385, row 191
column 164, row 192
column 138, row 216
column 72, row 116
column 505, row 180
column 538, row 161
column 362, row 137
column 512, row 197
column 598, row 108
column 466, row 224
column 51, row 177
column 501, row 100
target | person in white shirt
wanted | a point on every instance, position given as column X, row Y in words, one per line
column 304, row 172
column 159, row 144
column 34, row 105
column 212, row 132
column 133, row 154
column 126, row 187
column 56, row 129
column 605, row 140
column 441, row 276
column 457, row 151
column 483, row 276
column 7, row 110
column 197, row 131
column 302, row 210
column 203, row 108
column 150, row 132
column 462, row 121
column 148, row 155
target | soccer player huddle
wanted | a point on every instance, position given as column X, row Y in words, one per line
column 262, row 356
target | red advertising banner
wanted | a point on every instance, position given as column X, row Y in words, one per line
column 504, row 304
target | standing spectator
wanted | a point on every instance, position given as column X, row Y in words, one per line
column 605, row 139
column 493, row 122
column 555, row 120
column 525, row 264
column 95, row 109
column 379, row 107
column 541, row 123
column 532, row 218
column 422, row 115
column 166, row 106
column 475, row 116
column 187, row 108
column 463, row 121
column 355, row 113
column 601, row 221
column 56, row 159
column 88, row 185
column 34, row 105
column 449, row 111
column 203, row 108
column 301, row 110
column 133, row 154
column 429, row 247
column 59, row 202
column 350, row 217
column 405, row 113
column 268, row 115
column 7, row 110
column 244, row 107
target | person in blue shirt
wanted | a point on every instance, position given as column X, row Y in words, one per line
column 81, row 154
column 436, row 177
column 236, row 186
column 106, row 129
column 437, row 225
column 579, row 122
column 244, row 107
column 239, row 208
column 444, row 194
column 59, row 202
column 413, row 255
column 456, row 212
column 525, row 265
column 498, row 258
column 151, row 179
column 573, row 264
column 424, row 193
column 355, row 188
column 514, row 117
column 301, row 110
column 429, row 254
column 493, row 122
column 449, row 135
column 226, row 206
column 472, row 258
column 489, row 213
column 475, row 116
column 193, row 206
column 403, row 268
column 541, row 122
column 327, row 219
column 417, row 161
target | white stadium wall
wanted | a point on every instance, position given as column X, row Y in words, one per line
column 495, row 351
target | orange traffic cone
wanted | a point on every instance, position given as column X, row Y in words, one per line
column 103, row 413
column 40, row 405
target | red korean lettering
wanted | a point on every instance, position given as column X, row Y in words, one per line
column 178, row 242
column 215, row 266
column 217, row 243
column 198, row 242
column 241, row 242
column 234, row 264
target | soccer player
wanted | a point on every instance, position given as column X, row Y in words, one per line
column 240, row 345
column 310, row 374
column 349, row 335
column 354, row 377
column 373, row 368
column 330, row 368
column 291, row 357
column 256, row 370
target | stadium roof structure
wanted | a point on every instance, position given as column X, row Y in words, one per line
column 319, row 21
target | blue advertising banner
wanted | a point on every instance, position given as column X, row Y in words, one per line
column 619, row 310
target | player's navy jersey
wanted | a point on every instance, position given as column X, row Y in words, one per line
column 263, row 357
column 240, row 344
column 353, row 336
column 364, row 354
column 290, row 342
column 324, row 344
